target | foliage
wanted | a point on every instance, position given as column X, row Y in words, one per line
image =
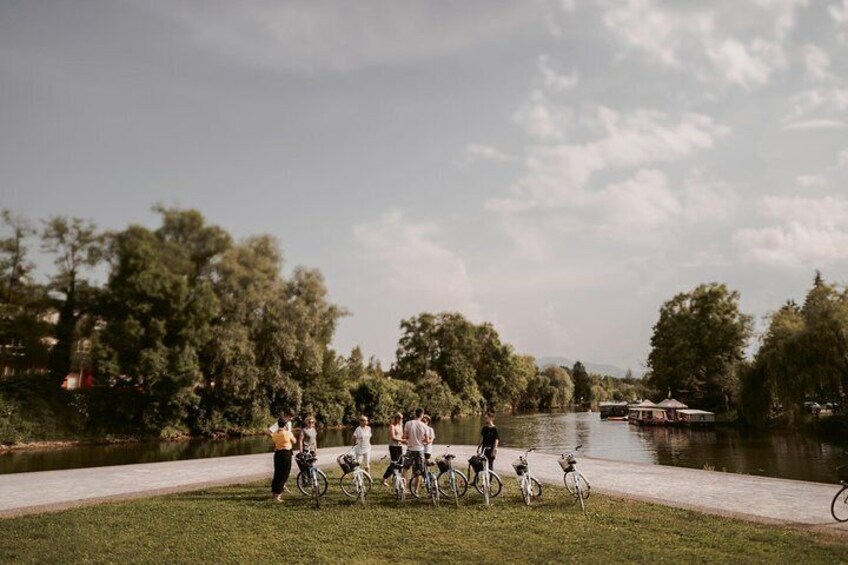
column 582, row 383
column 697, row 345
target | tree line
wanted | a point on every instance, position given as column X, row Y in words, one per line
column 701, row 353
column 183, row 330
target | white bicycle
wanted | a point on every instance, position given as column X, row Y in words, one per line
column 398, row 482
column 576, row 484
column 355, row 482
column 486, row 481
column 530, row 487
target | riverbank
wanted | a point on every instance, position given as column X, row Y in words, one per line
column 239, row 524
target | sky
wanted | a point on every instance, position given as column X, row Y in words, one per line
column 558, row 168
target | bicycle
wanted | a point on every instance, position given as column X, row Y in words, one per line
column 575, row 482
column 355, row 482
column 528, row 484
column 431, row 485
column 398, row 481
column 451, row 481
column 839, row 506
column 490, row 485
column 311, row 481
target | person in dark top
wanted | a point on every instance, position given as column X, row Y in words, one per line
column 489, row 439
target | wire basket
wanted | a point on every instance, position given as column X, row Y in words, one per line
column 443, row 465
column 477, row 463
column 566, row 462
column 520, row 466
column 347, row 463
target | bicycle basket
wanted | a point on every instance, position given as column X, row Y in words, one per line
column 443, row 465
column 842, row 472
column 347, row 463
column 566, row 463
column 477, row 462
column 302, row 465
column 520, row 467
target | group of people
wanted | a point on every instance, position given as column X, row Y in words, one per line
column 417, row 435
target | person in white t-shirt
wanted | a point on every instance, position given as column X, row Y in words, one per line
column 431, row 437
column 415, row 434
column 362, row 443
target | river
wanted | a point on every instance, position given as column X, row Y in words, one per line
column 790, row 455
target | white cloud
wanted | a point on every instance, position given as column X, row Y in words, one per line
column 817, row 62
column 839, row 13
column 705, row 40
column 817, row 108
column 555, row 81
column 415, row 265
column 479, row 152
column 541, row 119
column 809, row 232
column 811, row 181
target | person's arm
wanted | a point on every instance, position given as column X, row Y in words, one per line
column 497, row 443
column 300, row 440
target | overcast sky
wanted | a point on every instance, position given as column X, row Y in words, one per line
column 559, row 168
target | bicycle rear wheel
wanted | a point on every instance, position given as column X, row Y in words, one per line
column 304, row 484
column 495, row 484
column 839, row 506
column 447, row 486
column 415, row 483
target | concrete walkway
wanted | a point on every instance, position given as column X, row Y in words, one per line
column 796, row 503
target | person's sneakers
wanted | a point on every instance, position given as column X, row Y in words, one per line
column 385, row 482
column 286, row 489
column 278, row 498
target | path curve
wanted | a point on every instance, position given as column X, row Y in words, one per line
column 763, row 499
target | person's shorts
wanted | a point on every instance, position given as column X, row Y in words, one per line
column 410, row 458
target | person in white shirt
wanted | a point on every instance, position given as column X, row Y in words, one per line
column 362, row 443
column 415, row 434
column 431, row 437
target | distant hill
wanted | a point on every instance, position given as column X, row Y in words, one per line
column 599, row 368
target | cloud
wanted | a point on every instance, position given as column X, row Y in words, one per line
column 809, row 232
column 817, row 108
column 307, row 37
column 555, row 81
column 817, row 63
column 542, row 119
column 839, row 13
column 479, row 152
column 705, row 41
column 811, row 181
column 414, row 264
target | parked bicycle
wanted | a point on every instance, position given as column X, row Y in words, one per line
column 311, row 481
column 424, row 476
column 839, row 506
column 530, row 487
column 451, row 481
column 355, row 482
column 486, row 481
column 574, row 481
column 398, row 481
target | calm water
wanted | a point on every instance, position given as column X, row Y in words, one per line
column 776, row 454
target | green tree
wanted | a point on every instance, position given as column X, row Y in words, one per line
column 582, row 384
column 77, row 247
column 697, row 345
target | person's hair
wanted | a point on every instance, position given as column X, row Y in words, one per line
column 426, row 418
column 419, row 412
column 490, row 413
column 363, row 417
column 309, row 418
column 397, row 416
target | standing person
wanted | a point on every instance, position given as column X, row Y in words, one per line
column 431, row 437
column 415, row 434
column 489, row 438
column 284, row 441
column 308, row 437
column 362, row 443
column 396, row 442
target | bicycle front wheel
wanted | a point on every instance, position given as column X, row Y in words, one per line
column 495, row 484
column 455, row 486
column 304, row 484
column 577, row 485
column 348, row 484
column 839, row 506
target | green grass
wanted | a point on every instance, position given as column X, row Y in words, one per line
column 240, row 524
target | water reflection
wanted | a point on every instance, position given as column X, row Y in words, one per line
column 777, row 454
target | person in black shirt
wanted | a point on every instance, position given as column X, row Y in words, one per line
column 489, row 438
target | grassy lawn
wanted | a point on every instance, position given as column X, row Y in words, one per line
column 240, row 524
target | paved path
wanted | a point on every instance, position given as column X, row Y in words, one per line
column 797, row 503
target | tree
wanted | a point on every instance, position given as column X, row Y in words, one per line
column 697, row 345
column 77, row 247
column 582, row 384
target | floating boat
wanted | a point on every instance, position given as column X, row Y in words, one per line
column 615, row 411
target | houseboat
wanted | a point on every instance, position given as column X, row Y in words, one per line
column 672, row 407
column 696, row 418
column 613, row 410
column 646, row 413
